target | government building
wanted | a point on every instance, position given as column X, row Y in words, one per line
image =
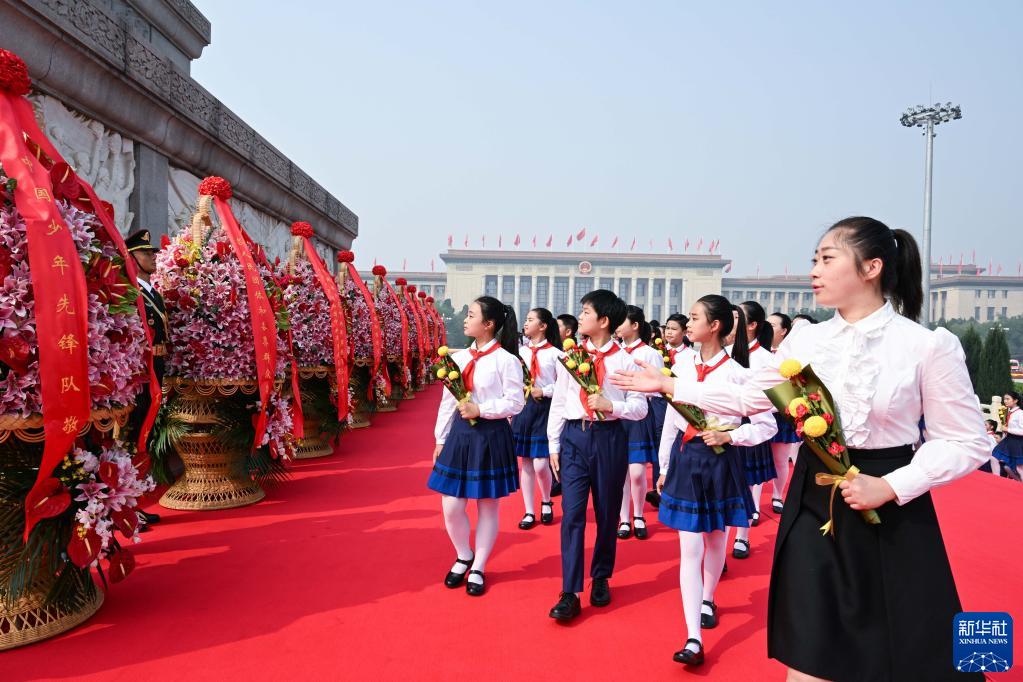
column 665, row 283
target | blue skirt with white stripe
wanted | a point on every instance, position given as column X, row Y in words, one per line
column 1010, row 450
column 476, row 462
column 705, row 491
column 786, row 430
column 643, row 435
column 529, row 429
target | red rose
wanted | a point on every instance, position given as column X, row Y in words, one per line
column 829, row 418
column 816, row 397
column 181, row 262
column 301, row 229
column 836, row 449
column 379, row 271
column 801, row 411
column 215, row 186
column 346, row 257
column 13, row 74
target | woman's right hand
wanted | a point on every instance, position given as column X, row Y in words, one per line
column 436, row 451
column 660, row 484
column 536, row 392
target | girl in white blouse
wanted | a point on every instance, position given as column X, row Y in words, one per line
column 529, row 427
column 643, row 435
column 873, row 602
column 478, row 461
column 1010, row 449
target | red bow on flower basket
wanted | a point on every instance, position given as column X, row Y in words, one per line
column 303, row 232
column 381, row 272
column 417, row 320
column 59, row 287
column 347, row 261
column 260, row 311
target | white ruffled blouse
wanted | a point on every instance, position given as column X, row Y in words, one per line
column 884, row 372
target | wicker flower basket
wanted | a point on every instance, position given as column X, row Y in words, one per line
column 214, row 476
column 315, row 443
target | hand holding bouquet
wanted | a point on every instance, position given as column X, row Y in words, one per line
column 695, row 417
column 527, row 378
column 580, row 366
column 447, row 371
column 806, row 401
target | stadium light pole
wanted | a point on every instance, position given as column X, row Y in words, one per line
column 927, row 118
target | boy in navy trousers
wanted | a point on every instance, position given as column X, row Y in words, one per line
column 589, row 455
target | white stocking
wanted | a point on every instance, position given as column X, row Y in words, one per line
column 756, row 491
column 457, row 523
column 996, row 466
column 527, row 478
column 690, row 576
column 713, row 562
column 486, row 534
column 782, row 452
column 637, row 472
column 542, row 469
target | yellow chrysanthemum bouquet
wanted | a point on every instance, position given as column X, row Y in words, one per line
column 448, row 372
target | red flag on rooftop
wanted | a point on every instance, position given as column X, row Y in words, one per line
column 579, row 235
column 484, row 240
column 633, row 247
column 466, row 241
column 593, row 242
column 569, row 243
column 518, row 240
column 500, row 240
column 614, row 243
column 699, row 245
column 686, row 246
column 550, row 240
column 433, row 267
column 671, row 247
column 728, row 268
column 451, row 240
column 404, row 264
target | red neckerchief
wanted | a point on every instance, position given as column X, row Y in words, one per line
column 672, row 352
column 629, row 349
column 754, row 347
column 702, row 370
column 534, row 364
column 470, row 368
column 598, row 372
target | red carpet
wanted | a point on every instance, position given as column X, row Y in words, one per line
column 337, row 575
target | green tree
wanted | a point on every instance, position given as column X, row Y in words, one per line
column 453, row 323
column 993, row 375
column 973, row 347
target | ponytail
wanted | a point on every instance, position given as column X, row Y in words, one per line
column 646, row 332
column 901, row 270
column 636, row 315
column 755, row 314
column 550, row 331
column 740, row 349
column 506, row 327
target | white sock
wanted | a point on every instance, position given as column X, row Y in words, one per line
column 542, row 469
column 456, row 520
column 486, row 535
column 527, row 478
column 690, row 575
column 756, row 490
column 781, row 453
column 713, row 562
column 637, row 472
column 996, row 466
column 742, row 534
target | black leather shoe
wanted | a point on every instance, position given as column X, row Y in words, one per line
column 640, row 531
column 709, row 621
column 453, row 579
column 556, row 489
column 755, row 521
column 740, row 552
column 149, row 518
column 528, row 521
column 475, row 589
column 688, row 656
column 547, row 517
column 567, row 608
column 653, row 498
column 600, row 592
column 624, row 530
column 777, row 505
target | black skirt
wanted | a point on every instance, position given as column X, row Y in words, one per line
column 874, row 602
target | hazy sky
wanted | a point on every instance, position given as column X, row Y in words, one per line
column 754, row 123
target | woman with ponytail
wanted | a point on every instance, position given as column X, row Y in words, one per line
column 540, row 355
column 478, row 461
column 873, row 602
column 757, row 460
column 643, row 435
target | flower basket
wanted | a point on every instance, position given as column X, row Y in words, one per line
column 230, row 353
column 74, row 355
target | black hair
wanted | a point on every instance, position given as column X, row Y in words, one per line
column 901, row 271
column 719, row 309
column 606, row 304
column 506, row 328
column 755, row 314
column 570, row 322
column 786, row 321
column 655, row 329
column 803, row 316
column 682, row 322
column 550, row 332
column 992, row 423
column 1014, row 395
column 635, row 314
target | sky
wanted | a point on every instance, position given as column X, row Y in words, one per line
column 759, row 124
